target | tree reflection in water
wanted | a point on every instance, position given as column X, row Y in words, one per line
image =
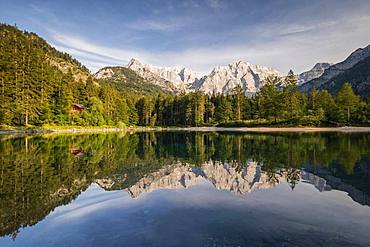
column 39, row 173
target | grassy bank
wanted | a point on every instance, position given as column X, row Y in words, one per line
column 7, row 130
column 4, row 129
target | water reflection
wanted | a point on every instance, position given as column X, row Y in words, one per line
column 40, row 173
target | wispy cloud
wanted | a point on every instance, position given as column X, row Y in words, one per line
column 199, row 34
column 216, row 4
column 191, row 4
column 157, row 25
column 92, row 55
column 297, row 47
column 282, row 45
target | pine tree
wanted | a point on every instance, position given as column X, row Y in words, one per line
column 292, row 98
column 237, row 99
column 271, row 98
column 347, row 101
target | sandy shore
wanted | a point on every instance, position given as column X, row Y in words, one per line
column 202, row 129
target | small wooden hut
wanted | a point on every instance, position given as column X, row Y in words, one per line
column 76, row 108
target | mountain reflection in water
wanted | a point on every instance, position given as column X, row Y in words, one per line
column 40, row 173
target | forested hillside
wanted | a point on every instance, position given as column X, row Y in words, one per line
column 126, row 80
column 40, row 86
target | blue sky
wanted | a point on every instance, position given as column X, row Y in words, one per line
column 201, row 34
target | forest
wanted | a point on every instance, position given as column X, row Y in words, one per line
column 39, row 85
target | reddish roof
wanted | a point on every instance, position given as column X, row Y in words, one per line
column 79, row 106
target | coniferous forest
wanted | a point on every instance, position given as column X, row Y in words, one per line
column 40, row 85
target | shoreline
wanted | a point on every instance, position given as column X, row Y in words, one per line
column 200, row 129
column 283, row 129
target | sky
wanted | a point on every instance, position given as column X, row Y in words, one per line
column 198, row 34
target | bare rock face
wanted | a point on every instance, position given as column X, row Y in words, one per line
column 223, row 79
column 104, row 73
column 313, row 73
column 353, row 69
column 152, row 74
column 180, row 79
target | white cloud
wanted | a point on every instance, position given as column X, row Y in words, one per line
column 279, row 46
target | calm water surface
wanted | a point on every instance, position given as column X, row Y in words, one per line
column 185, row 189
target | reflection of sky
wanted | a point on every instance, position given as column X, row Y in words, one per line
column 203, row 215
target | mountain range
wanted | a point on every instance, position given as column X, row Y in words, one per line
column 355, row 69
column 223, row 79
column 146, row 79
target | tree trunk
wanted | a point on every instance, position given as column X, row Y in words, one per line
column 26, row 117
column 348, row 114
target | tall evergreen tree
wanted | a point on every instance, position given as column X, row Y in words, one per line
column 271, row 98
column 347, row 101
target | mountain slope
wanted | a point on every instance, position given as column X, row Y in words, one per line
column 17, row 44
column 358, row 76
column 178, row 79
column 313, row 73
column 354, row 69
column 36, row 79
column 170, row 79
column 126, row 80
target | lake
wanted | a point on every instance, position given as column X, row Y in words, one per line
column 185, row 189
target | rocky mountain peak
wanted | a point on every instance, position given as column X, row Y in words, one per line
column 222, row 79
column 313, row 73
column 133, row 62
column 346, row 71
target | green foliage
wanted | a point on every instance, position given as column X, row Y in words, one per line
column 347, row 103
column 126, row 80
column 40, row 173
column 39, row 86
column 271, row 98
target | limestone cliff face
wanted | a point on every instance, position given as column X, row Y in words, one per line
column 222, row 79
column 313, row 73
column 354, row 69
